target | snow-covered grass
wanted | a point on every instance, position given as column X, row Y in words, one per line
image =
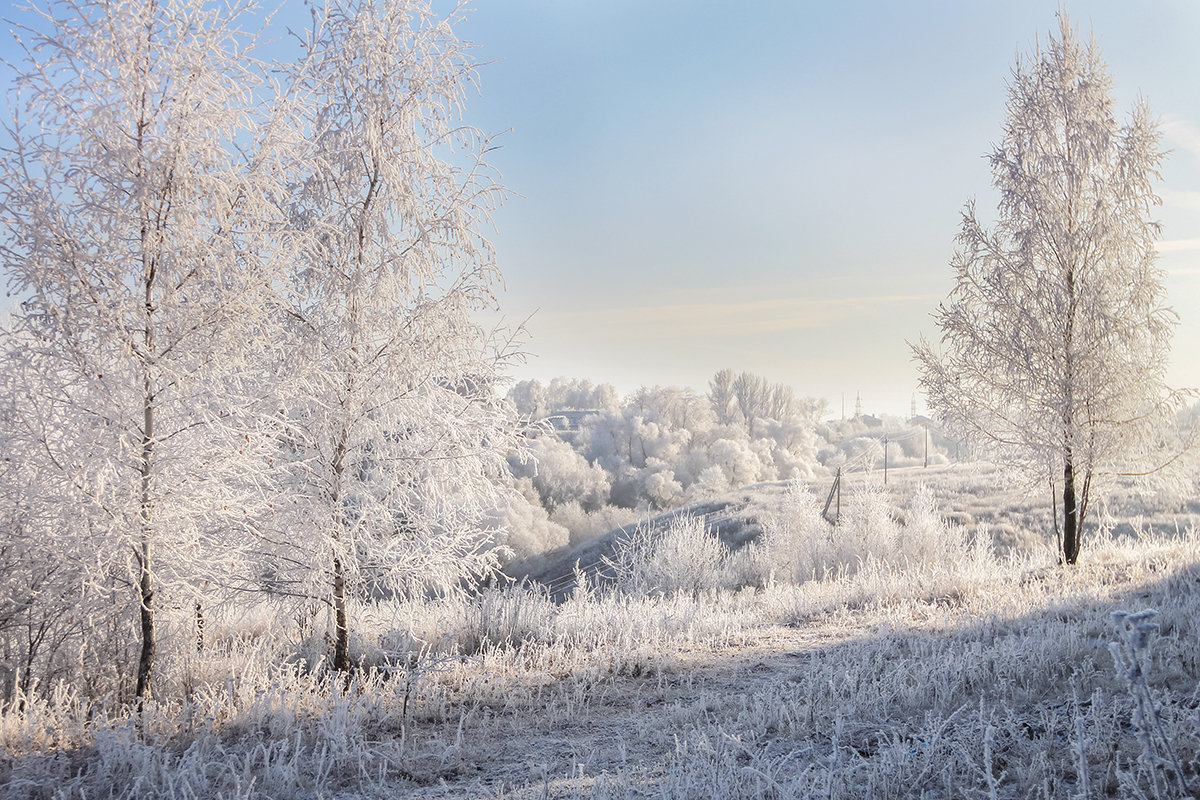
column 908, row 660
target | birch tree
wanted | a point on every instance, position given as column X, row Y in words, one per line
column 396, row 433
column 1055, row 338
column 133, row 211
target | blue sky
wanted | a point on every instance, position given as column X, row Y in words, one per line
column 776, row 186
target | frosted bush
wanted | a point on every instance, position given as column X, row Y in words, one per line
column 868, row 529
column 661, row 488
column 737, row 459
column 792, row 464
column 559, row 474
column 710, row 482
column 797, row 543
column 925, row 536
column 684, row 558
column 528, row 529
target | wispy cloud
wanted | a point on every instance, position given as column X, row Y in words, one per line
column 1182, row 198
column 717, row 319
column 1178, row 245
column 1182, row 134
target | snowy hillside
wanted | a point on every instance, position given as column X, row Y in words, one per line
column 735, row 518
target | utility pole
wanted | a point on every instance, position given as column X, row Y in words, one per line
column 885, row 454
column 835, row 491
column 926, row 446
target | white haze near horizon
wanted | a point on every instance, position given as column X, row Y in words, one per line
column 774, row 188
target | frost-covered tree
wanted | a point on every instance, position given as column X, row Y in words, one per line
column 1055, row 337
column 659, row 447
column 133, row 207
column 535, row 401
column 396, row 433
column 722, row 397
column 559, row 474
column 645, row 444
column 764, row 408
column 529, row 398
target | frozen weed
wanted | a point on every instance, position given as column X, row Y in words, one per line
column 684, row 558
column 797, row 542
column 506, row 617
column 1130, row 654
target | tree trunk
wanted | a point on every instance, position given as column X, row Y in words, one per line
column 146, row 595
column 143, row 552
column 145, row 577
column 341, row 632
column 1070, row 515
column 341, row 628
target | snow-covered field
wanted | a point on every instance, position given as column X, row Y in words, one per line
column 920, row 661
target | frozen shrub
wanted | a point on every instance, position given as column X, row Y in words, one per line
column 868, row 529
column 738, row 460
column 661, row 489
column 797, row 543
column 925, row 536
column 710, row 482
column 528, row 530
column 684, row 558
column 560, row 475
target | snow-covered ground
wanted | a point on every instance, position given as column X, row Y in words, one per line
column 959, row 671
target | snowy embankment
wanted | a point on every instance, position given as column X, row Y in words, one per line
column 918, row 664
column 734, row 518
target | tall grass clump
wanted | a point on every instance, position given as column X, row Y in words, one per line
column 798, row 544
column 1158, row 764
column 684, row 558
column 507, row 617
